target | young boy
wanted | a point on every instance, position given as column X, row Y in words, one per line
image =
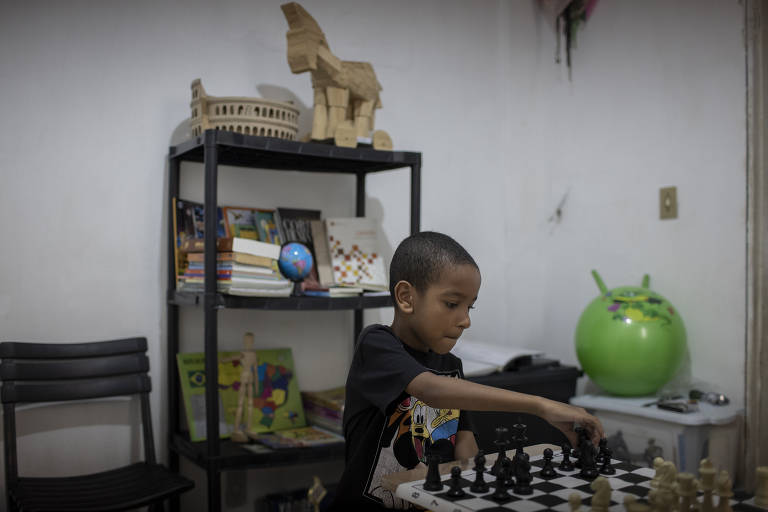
column 405, row 393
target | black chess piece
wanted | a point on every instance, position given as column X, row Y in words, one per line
column 500, row 494
column 479, row 485
column 566, row 464
column 587, row 459
column 455, row 490
column 602, row 445
column 501, row 444
column 606, row 468
column 433, row 482
column 548, row 471
column 507, row 479
column 523, row 476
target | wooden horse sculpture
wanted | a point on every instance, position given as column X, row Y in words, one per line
column 346, row 93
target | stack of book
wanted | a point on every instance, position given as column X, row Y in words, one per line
column 325, row 408
column 243, row 267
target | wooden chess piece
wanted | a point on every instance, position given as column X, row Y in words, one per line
column 657, row 462
column 666, row 498
column 631, row 504
column 686, row 491
column 479, row 485
column 433, row 481
column 707, row 484
column 601, row 499
column 455, row 490
column 316, row 493
column 248, row 362
column 566, row 464
column 725, row 491
column 761, row 493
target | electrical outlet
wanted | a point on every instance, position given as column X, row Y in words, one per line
column 668, row 203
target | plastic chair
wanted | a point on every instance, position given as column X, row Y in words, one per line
column 42, row 372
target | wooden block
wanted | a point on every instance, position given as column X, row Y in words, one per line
column 382, row 141
column 345, row 135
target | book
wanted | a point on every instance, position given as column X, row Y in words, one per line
column 325, row 408
column 354, row 246
column 235, row 257
column 265, row 223
column 240, row 222
column 335, row 291
column 236, row 244
column 482, row 358
column 300, row 437
column 277, row 402
column 184, row 230
column 321, row 253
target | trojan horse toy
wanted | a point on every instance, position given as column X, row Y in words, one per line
column 345, row 93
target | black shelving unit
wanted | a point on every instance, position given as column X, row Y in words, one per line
column 214, row 148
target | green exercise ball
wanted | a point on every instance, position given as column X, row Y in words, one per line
column 630, row 341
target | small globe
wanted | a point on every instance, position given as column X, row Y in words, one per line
column 630, row 341
column 295, row 261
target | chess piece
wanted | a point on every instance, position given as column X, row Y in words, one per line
column 587, row 460
column 686, row 491
column 501, row 494
column 248, row 362
column 566, row 464
column 574, row 501
column 707, row 484
column 455, row 490
column 501, row 446
column 506, row 473
column 548, row 471
column 602, row 445
column 631, row 504
column 657, row 462
column 606, row 468
column 725, row 491
column 666, row 499
column 316, row 493
column 433, row 482
column 761, row 493
column 523, row 476
column 479, row 485
column 601, row 499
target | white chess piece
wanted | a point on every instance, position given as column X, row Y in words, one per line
column 601, row 500
column 725, row 491
column 707, row 484
column 574, row 501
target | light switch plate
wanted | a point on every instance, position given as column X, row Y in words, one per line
column 668, row 203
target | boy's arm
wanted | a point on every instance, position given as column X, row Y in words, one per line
column 449, row 393
column 466, row 445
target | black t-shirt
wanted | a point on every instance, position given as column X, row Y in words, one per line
column 387, row 430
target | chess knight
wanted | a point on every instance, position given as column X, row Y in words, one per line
column 346, row 93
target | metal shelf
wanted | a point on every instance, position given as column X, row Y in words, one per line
column 282, row 303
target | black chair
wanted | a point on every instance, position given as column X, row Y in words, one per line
column 55, row 372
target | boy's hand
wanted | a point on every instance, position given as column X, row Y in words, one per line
column 566, row 417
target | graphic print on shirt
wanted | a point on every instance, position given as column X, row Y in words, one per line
column 413, row 430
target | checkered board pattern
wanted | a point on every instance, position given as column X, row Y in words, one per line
column 549, row 494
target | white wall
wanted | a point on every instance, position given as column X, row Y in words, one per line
column 94, row 92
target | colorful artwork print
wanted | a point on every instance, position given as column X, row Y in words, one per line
column 276, row 398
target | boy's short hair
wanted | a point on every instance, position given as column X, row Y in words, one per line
column 420, row 258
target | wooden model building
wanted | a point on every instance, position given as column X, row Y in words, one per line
column 250, row 116
column 345, row 93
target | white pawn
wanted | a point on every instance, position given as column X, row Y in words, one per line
column 761, row 494
column 707, row 484
column 686, row 490
column 574, row 501
column 725, row 491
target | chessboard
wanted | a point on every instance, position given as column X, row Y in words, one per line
column 630, row 486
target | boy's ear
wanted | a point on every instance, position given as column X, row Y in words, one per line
column 403, row 298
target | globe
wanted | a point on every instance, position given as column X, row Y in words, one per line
column 630, row 341
column 295, row 261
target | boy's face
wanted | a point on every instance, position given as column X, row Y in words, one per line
column 441, row 312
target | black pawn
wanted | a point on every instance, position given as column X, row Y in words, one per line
column 548, row 471
column 433, row 482
column 566, row 464
column 501, row 445
column 455, row 490
column 479, row 485
column 601, row 450
column 506, row 474
column 607, row 469
column 500, row 494
column 523, row 476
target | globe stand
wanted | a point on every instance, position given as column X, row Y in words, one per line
column 297, row 290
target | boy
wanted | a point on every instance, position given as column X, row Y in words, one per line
column 405, row 391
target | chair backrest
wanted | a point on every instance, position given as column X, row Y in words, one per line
column 55, row 372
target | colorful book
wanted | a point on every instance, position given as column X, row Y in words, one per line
column 276, row 403
column 240, row 222
column 235, row 257
column 267, row 226
column 301, row 437
column 355, row 245
column 236, row 244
